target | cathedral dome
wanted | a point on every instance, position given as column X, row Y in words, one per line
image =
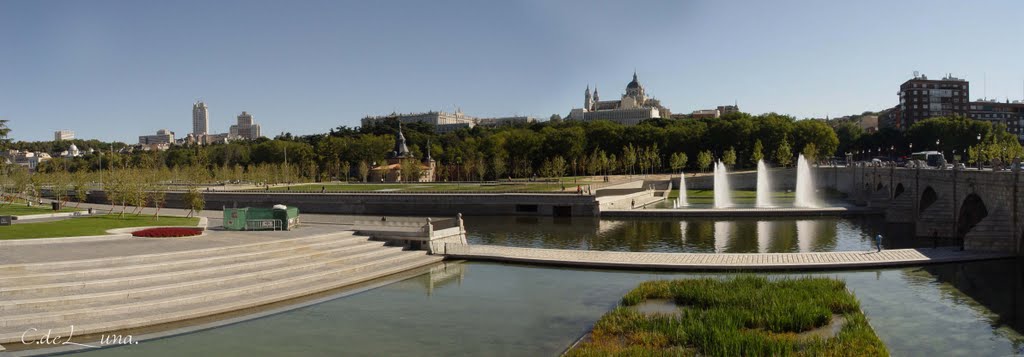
column 634, row 84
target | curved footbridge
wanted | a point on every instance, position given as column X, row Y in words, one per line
column 717, row 261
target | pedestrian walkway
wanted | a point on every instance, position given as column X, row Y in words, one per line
column 838, row 211
column 718, row 261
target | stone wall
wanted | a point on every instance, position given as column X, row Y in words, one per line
column 780, row 179
column 479, row 204
column 940, row 202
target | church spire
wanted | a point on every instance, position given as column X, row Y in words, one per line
column 428, row 158
column 401, row 150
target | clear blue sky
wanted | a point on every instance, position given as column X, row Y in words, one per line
column 119, row 69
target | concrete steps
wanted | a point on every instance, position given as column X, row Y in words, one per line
column 176, row 286
column 217, row 276
column 65, row 267
column 145, row 275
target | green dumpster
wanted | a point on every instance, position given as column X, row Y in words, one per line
column 289, row 216
column 234, row 218
column 279, row 217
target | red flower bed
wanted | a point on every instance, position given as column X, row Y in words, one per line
column 167, row 232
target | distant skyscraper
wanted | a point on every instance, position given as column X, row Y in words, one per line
column 63, row 135
column 200, row 119
column 245, row 128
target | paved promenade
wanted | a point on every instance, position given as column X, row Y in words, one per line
column 719, row 261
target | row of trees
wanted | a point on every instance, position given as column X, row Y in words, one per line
column 557, row 148
column 970, row 140
column 123, row 187
column 598, row 147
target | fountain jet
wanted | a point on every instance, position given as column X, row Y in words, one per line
column 805, row 195
column 681, row 201
column 723, row 194
column 764, row 190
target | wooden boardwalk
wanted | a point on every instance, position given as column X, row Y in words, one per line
column 718, row 261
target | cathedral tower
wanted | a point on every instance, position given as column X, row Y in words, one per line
column 588, row 101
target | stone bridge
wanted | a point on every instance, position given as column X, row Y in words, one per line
column 981, row 209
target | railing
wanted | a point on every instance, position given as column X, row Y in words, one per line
column 256, row 224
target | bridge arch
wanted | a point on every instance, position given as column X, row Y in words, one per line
column 899, row 190
column 879, row 187
column 972, row 211
column 928, row 197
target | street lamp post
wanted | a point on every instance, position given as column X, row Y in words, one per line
column 977, row 152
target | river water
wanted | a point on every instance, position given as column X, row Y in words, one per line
column 472, row 309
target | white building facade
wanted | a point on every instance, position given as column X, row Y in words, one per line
column 163, row 136
column 246, row 128
column 63, row 135
column 634, row 106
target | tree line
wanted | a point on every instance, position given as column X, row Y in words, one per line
column 545, row 149
column 551, row 149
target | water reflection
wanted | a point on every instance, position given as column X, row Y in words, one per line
column 969, row 309
column 690, row 235
column 439, row 276
column 723, row 231
column 764, row 229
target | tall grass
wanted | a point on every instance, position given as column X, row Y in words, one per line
column 743, row 316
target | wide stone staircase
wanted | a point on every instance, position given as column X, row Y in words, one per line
column 126, row 292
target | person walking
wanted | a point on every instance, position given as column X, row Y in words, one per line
column 935, row 239
column 878, row 242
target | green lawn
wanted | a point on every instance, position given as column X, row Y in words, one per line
column 428, row 187
column 743, row 316
column 88, row 226
column 19, row 208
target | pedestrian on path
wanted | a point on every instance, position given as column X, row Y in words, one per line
column 935, row 239
column 878, row 242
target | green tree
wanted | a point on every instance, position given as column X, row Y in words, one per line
column 481, row 168
column 757, row 155
column 410, row 170
column 810, row 152
column 678, row 161
column 704, row 160
column 553, row 167
column 364, row 170
column 346, row 170
column 4, row 132
column 194, row 201
column 498, row 166
column 783, row 154
column 80, row 185
column 729, row 157
column 629, row 157
column 817, row 132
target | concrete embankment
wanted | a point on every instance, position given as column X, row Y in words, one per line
column 411, row 204
column 122, row 285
